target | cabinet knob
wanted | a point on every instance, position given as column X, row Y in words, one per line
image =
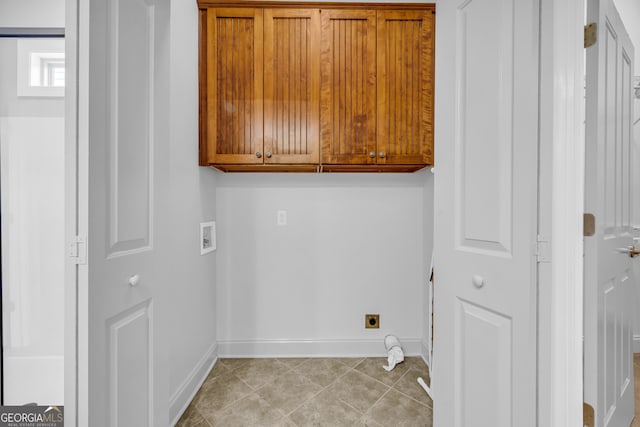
column 258, row 154
column 268, row 154
column 382, row 154
column 372, row 154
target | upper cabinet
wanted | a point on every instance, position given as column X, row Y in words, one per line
column 405, row 87
column 348, row 87
column 231, row 81
column 295, row 87
column 291, row 86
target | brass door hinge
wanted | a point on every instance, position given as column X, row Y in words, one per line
column 589, row 225
column 588, row 416
column 590, row 34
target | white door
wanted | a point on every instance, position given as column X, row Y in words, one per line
column 486, row 213
column 123, row 101
column 608, row 293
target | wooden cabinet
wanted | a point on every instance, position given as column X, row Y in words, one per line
column 231, row 107
column 348, row 87
column 405, row 87
column 291, row 86
column 298, row 87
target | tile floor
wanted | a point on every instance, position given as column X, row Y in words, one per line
column 311, row 392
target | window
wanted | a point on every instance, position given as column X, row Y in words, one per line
column 41, row 70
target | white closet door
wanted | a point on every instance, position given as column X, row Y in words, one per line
column 486, row 213
column 608, row 292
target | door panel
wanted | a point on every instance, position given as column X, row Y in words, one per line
column 234, row 76
column 131, row 59
column 481, row 329
column 608, row 373
column 291, row 85
column 405, row 87
column 486, row 216
column 485, row 113
column 130, row 362
column 126, row 91
column 348, row 86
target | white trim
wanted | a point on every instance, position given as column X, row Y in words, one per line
column 424, row 353
column 636, row 343
column 314, row 348
column 182, row 397
column 561, row 198
column 71, row 270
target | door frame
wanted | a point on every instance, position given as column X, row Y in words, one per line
column 76, row 212
column 561, row 207
column 561, row 173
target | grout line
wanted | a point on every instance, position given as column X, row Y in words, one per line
column 321, row 390
column 294, row 369
column 405, row 394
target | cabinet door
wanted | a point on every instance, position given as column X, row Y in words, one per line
column 405, row 87
column 347, row 86
column 291, row 85
column 234, row 85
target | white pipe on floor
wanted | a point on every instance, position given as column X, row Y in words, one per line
column 425, row 387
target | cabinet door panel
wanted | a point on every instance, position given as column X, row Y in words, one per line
column 234, row 85
column 291, row 85
column 405, row 87
column 347, row 86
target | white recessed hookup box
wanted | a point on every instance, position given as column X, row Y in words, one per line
column 207, row 237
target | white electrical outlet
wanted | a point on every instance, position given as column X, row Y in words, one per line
column 207, row 237
column 282, row 217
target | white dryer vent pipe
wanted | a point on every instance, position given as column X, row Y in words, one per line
column 394, row 350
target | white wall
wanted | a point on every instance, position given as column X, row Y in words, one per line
column 10, row 104
column 31, row 13
column 32, row 157
column 190, row 276
column 630, row 13
column 427, row 215
column 354, row 244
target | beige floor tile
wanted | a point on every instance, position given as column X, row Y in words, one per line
column 218, row 369
column 408, row 385
column 366, row 421
column 373, row 368
column 289, row 391
column 398, row 410
column 250, row 411
column 192, row 418
column 220, row 392
column 258, row 372
column 322, row 371
column 325, row 410
column 284, row 422
column 358, row 390
column 292, row 362
column 233, row 363
column 350, row 361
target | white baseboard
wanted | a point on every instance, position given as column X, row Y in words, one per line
column 636, row 343
column 314, row 348
column 181, row 398
column 424, row 352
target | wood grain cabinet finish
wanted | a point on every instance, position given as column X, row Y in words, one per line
column 405, row 87
column 291, row 85
column 315, row 86
column 233, row 130
column 348, row 86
